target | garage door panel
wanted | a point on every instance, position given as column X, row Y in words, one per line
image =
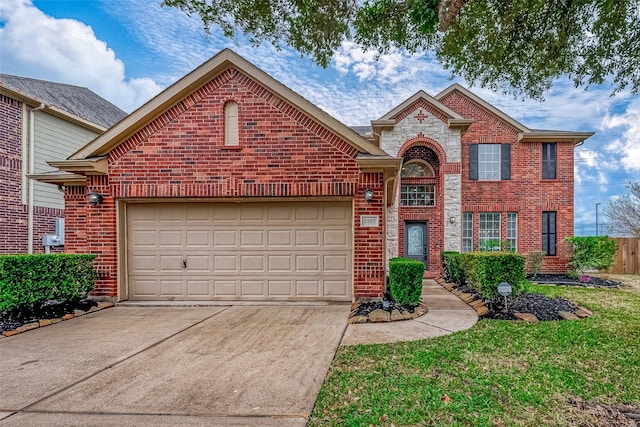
column 225, row 238
column 253, row 263
column 170, row 263
column 198, row 238
column 336, row 287
column 171, row 238
column 280, row 263
column 225, row 263
column 252, row 288
column 224, row 288
column 198, row 288
column 279, row 238
column 252, row 238
column 280, row 288
column 280, row 251
column 308, row 238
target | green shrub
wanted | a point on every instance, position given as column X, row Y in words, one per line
column 534, row 262
column 405, row 280
column 28, row 281
column 588, row 252
column 483, row 271
column 451, row 266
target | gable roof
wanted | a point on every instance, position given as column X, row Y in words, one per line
column 524, row 133
column 119, row 133
column 427, row 98
column 484, row 105
column 79, row 101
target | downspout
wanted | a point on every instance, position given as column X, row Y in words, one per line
column 31, row 170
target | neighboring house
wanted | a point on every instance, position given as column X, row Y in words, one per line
column 41, row 121
column 230, row 186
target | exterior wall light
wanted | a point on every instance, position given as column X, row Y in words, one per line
column 368, row 195
column 95, row 198
column 452, row 220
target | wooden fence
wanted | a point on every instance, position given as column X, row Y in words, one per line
column 627, row 259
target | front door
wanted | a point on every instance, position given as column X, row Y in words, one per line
column 416, row 241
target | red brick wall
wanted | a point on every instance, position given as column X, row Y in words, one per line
column 13, row 214
column 526, row 192
column 281, row 153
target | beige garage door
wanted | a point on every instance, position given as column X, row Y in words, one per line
column 232, row 251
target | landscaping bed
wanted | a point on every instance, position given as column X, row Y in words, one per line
column 386, row 310
column 49, row 313
column 566, row 280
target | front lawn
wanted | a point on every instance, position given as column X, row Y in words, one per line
column 500, row 373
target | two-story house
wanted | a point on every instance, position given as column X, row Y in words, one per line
column 41, row 121
column 230, row 186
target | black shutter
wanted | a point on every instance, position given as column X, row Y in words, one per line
column 473, row 162
column 549, row 233
column 505, row 161
column 549, row 160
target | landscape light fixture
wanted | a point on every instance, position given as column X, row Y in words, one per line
column 368, row 195
column 95, row 198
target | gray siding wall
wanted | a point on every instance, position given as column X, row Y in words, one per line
column 55, row 139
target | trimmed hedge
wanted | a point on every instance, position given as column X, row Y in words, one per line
column 405, row 280
column 451, row 266
column 591, row 252
column 28, row 281
column 483, row 271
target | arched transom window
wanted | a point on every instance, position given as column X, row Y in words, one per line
column 418, row 186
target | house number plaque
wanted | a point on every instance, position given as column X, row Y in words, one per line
column 369, row 221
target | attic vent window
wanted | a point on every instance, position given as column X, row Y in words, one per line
column 231, row 124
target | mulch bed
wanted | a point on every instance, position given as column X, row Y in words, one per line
column 49, row 310
column 542, row 307
column 585, row 281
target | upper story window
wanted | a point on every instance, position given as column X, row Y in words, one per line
column 415, row 190
column 549, row 152
column 231, row 138
column 489, row 162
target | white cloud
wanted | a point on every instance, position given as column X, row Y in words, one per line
column 628, row 145
column 66, row 50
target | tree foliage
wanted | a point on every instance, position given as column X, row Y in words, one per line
column 514, row 46
column 623, row 213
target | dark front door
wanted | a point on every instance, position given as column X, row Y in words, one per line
column 416, row 241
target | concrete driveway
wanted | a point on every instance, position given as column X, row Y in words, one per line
column 226, row 366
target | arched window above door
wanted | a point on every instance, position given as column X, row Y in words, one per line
column 417, row 169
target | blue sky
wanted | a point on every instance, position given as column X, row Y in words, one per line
column 128, row 51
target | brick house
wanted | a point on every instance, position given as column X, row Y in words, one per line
column 230, row 186
column 41, row 121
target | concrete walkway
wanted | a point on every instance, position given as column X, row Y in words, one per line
column 447, row 314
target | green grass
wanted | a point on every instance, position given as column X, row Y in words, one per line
column 496, row 373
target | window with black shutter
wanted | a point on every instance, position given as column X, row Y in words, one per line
column 489, row 162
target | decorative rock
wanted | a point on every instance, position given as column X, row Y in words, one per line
column 45, row 322
column 355, row 305
column 467, row 297
column 581, row 313
column 481, row 310
column 68, row 316
column 527, row 317
column 420, row 310
column 11, row 333
column 566, row 315
column 94, row 308
column 440, row 280
column 56, row 320
column 476, row 303
column 79, row 312
column 584, row 310
column 396, row 315
column 379, row 315
column 358, row 319
column 407, row 315
column 105, row 304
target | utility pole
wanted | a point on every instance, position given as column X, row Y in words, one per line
column 597, row 204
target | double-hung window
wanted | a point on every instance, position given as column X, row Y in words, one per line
column 467, row 232
column 489, row 231
column 489, row 162
column 549, row 233
column 512, row 230
column 549, row 150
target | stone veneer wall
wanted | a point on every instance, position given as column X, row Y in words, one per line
column 422, row 125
